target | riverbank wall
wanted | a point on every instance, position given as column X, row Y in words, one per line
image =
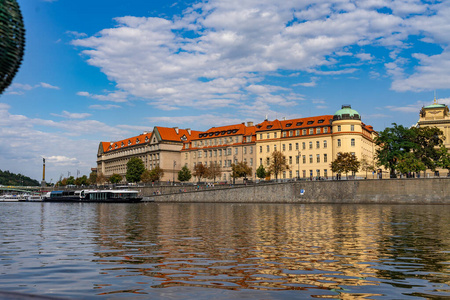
column 392, row 191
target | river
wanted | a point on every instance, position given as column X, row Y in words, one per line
column 223, row 251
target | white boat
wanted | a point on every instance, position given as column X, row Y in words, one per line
column 11, row 198
column 111, row 196
column 34, row 198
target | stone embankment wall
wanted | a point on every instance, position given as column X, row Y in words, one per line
column 393, row 191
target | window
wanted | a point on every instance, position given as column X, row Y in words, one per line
column 303, row 145
column 325, row 144
column 260, row 149
column 210, row 153
column 304, row 173
column 268, row 135
column 236, row 151
column 325, row 172
column 318, row 172
column 310, row 173
column 260, row 161
column 275, row 135
column 352, row 141
column 290, row 147
column 260, row 136
column 245, row 150
column 199, row 153
column 339, row 127
column 317, row 144
column 311, row 131
column 215, row 153
column 325, row 130
column 268, row 148
column 339, row 142
column 310, row 145
column 318, row 158
column 274, row 147
column 352, row 127
column 310, row 159
column 290, row 160
column 304, row 159
column 251, row 162
column 296, row 146
column 325, row 158
column 317, row 130
column 284, row 133
column 251, row 150
column 284, row 147
column 268, row 160
column 291, row 133
column 220, row 152
column 297, row 132
column 304, row 132
column 297, row 174
column 229, row 151
column 297, row 159
column 284, row 174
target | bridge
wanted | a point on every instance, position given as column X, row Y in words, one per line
column 20, row 189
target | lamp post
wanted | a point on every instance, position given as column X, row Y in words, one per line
column 298, row 166
column 173, row 174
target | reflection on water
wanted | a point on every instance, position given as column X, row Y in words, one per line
column 258, row 251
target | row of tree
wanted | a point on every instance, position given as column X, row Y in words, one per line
column 8, row 178
column 403, row 150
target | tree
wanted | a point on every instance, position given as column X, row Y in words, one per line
column 367, row 166
column 410, row 163
column 70, row 181
column 199, row 171
column 93, row 178
column 278, row 163
column 261, row 172
column 428, row 142
column 184, row 174
column 444, row 161
column 146, row 177
column 12, row 42
column 135, row 168
column 241, row 169
column 101, row 178
column 156, row 173
column 213, row 171
column 115, row 178
column 83, row 180
column 344, row 163
column 392, row 144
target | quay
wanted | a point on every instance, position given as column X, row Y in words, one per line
column 391, row 191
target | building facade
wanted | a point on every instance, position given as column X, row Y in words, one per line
column 161, row 147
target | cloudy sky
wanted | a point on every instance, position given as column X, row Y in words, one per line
column 103, row 70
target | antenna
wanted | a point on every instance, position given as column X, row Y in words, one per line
column 435, row 101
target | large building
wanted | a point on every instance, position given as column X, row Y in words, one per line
column 309, row 145
column 161, row 147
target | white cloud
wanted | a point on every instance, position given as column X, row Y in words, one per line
column 68, row 115
column 49, row 86
column 103, row 107
column 76, row 34
column 117, row 96
column 20, row 88
column 312, row 83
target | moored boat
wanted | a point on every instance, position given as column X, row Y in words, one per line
column 110, row 196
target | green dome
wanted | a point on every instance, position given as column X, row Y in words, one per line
column 346, row 112
column 435, row 105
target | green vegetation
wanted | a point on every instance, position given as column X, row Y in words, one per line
column 115, row 178
column 261, row 172
column 7, row 178
column 199, row 171
column 12, row 41
column 213, row 171
column 184, row 174
column 241, row 169
column 345, row 163
column 405, row 150
column 152, row 175
column 135, row 168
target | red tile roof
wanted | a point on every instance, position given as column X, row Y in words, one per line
column 170, row 134
column 294, row 123
column 143, row 138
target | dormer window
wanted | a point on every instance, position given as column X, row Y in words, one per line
column 115, row 146
column 321, row 121
column 222, row 132
column 299, row 124
column 269, row 126
column 288, row 124
column 129, row 142
column 217, row 133
column 310, row 122
column 184, row 138
column 235, row 130
column 137, row 141
column 122, row 145
column 229, row 131
column 110, row 148
column 146, row 139
column 211, row 133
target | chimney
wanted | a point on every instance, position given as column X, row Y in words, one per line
column 249, row 124
column 176, row 129
column 188, row 130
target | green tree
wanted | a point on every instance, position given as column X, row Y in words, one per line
column 344, row 163
column 428, row 142
column 184, row 174
column 241, row 169
column 83, row 180
column 213, row 171
column 199, row 171
column 367, row 166
column 115, row 178
column 392, row 144
column 101, row 178
column 444, row 161
column 70, row 181
column 146, row 177
column 135, row 168
column 277, row 163
column 12, row 41
column 261, row 172
column 410, row 163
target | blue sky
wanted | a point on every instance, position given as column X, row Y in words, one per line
column 105, row 70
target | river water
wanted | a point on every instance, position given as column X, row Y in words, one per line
column 223, row 251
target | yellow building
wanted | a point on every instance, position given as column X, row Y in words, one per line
column 310, row 144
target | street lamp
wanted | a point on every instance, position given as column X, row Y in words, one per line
column 173, row 174
column 298, row 166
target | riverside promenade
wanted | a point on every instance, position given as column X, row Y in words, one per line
column 389, row 191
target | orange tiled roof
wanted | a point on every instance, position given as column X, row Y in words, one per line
column 170, row 134
column 143, row 138
column 294, row 123
column 228, row 130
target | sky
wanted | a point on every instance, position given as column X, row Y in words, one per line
column 105, row 70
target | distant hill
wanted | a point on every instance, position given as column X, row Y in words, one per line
column 8, row 178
